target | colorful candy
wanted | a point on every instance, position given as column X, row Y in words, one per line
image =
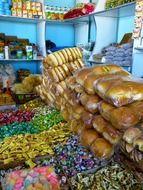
column 23, row 148
column 75, row 158
column 32, row 104
column 7, row 118
column 114, row 177
column 16, row 129
column 43, row 178
column 44, row 122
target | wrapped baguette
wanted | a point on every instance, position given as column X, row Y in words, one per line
column 87, row 118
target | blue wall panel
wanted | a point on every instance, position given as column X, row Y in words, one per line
column 126, row 25
column 61, row 3
column 22, row 30
column 61, row 35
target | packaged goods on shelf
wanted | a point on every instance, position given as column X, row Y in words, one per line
column 17, row 48
column 80, row 10
column 55, row 13
column 27, row 9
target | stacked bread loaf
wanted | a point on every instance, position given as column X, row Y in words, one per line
column 57, row 67
column 101, row 103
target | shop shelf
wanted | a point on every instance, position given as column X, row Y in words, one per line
column 20, row 19
column 82, row 19
column 21, row 60
column 124, row 10
column 97, row 62
column 139, row 48
column 120, row 11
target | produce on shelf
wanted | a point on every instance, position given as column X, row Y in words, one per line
column 27, row 9
column 80, row 10
column 21, row 149
column 36, row 178
column 7, row 118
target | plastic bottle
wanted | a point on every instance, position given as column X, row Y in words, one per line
column 6, row 52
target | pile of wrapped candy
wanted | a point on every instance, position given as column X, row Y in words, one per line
column 15, row 116
column 73, row 143
column 43, row 178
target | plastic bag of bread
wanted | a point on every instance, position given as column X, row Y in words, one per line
column 76, row 126
column 70, row 97
column 124, row 117
column 105, row 110
column 87, row 118
column 88, row 136
column 102, row 149
column 103, row 68
column 82, row 74
column 120, row 92
column 77, row 111
column 132, row 146
column 106, row 130
column 137, row 108
column 92, row 79
column 92, row 104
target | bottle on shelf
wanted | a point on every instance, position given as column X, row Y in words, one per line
column 6, row 52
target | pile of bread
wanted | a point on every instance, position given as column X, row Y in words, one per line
column 56, row 68
column 103, row 104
